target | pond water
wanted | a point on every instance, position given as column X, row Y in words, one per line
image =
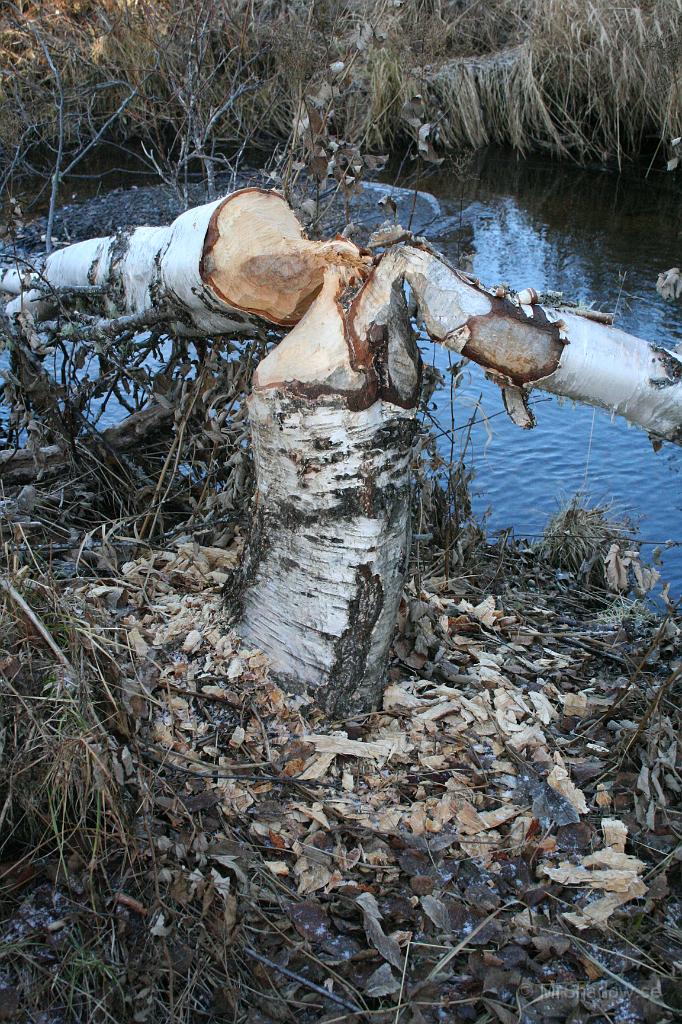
column 597, row 237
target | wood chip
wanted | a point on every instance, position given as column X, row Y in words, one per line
column 380, row 750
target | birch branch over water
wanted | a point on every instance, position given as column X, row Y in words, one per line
column 220, row 267
column 524, row 345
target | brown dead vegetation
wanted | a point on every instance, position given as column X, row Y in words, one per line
column 182, row 840
column 192, row 83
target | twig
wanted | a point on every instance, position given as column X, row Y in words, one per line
column 303, row 981
column 109, row 327
column 57, row 175
column 174, row 450
column 219, row 772
column 110, row 120
column 599, row 316
column 399, row 1007
column 466, row 940
column 38, row 625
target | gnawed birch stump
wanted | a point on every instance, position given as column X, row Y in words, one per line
column 332, row 421
column 333, row 406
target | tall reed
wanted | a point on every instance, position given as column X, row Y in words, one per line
column 586, row 78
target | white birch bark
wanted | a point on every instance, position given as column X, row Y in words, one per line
column 215, row 268
column 333, row 406
column 322, row 577
column 140, row 270
column 219, row 266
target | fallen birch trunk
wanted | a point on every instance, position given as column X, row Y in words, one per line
column 332, row 409
column 523, row 345
column 214, row 270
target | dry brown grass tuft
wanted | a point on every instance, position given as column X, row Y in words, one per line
column 578, row 538
column 585, row 77
column 58, row 790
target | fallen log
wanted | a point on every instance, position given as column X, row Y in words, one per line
column 215, row 269
column 332, row 409
column 523, row 345
column 26, row 465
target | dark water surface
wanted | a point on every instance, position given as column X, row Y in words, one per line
column 599, row 238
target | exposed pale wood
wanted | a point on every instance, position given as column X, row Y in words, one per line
column 332, row 410
column 257, row 258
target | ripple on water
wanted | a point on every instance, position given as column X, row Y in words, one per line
column 597, row 238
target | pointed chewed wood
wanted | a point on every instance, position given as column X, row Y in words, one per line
column 324, row 566
column 316, row 353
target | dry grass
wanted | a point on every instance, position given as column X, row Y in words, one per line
column 578, row 537
column 587, row 77
column 60, row 710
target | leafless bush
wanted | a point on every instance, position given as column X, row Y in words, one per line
column 191, row 84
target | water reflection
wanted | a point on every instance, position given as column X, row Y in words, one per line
column 596, row 237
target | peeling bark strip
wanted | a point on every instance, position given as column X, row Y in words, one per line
column 214, row 268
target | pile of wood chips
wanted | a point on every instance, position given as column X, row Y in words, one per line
column 499, row 839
